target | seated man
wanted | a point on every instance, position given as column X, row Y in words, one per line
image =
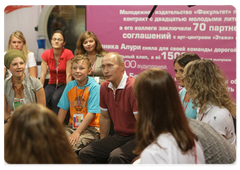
column 117, row 102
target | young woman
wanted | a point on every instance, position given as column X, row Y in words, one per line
column 35, row 136
column 89, row 45
column 58, row 61
column 207, row 86
column 163, row 134
column 20, row 88
column 17, row 41
column 179, row 63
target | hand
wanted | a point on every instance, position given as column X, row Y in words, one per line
column 7, row 120
column 73, row 138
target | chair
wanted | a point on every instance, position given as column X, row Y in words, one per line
column 235, row 127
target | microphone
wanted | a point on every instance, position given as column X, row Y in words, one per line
column 153, row 9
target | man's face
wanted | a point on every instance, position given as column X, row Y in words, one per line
column 111, row 69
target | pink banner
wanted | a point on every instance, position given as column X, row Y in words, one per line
column 209, row 31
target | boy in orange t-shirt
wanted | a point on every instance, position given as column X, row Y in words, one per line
column 82, row 97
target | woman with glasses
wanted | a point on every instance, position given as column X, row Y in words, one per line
column 58, row 61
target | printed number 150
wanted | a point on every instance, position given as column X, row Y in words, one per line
column 170, row 55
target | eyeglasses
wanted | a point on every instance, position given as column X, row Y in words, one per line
column 59, row 39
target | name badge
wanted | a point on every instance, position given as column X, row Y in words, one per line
column 97, row 79
column 77, row 120
column 17, row 103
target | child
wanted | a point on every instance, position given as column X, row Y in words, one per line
column 82, row 96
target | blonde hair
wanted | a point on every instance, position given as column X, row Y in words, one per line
column 81, row 57
column 19, row 35
column 206, row 84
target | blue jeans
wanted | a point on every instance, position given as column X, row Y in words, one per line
column 53, row 96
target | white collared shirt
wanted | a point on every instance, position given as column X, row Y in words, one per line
column 122, row 84
column 221, row 120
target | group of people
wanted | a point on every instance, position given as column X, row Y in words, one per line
column 113, row 118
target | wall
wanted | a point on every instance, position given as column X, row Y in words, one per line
column 209, row 31
column 23, row 18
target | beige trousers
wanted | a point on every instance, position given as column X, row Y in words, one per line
column 90, row 134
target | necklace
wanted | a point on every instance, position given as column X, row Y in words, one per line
column 186, row 102
column 94, row 65
column 17, row 89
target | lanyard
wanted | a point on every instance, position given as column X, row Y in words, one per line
column 57, row 63
column 205, row 113
column 94, row 64
column 79, row 103
column 195, row 150
column 202, row 117
column 187, row 102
